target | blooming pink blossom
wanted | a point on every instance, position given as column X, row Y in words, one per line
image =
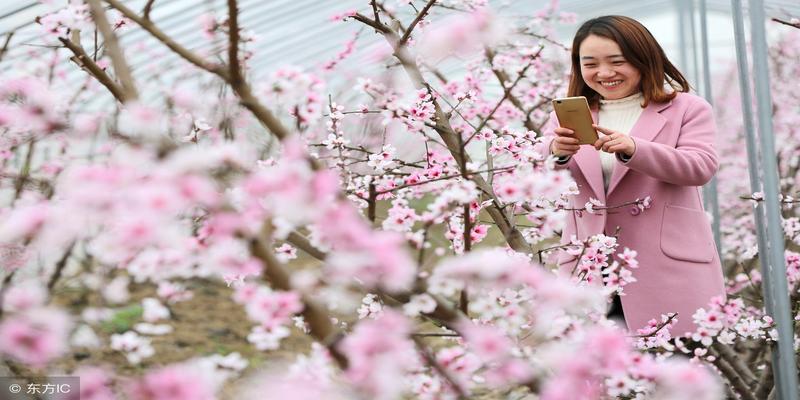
column 24, row 296
column 273, row 308
column 96, row 384
column 377, row 351
column 377, row 259
column 176, row 382
column 23, row 223
column 135, row 347
column 140, row 120
column 36, row 337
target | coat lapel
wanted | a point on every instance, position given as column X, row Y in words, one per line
column 646, row 127
column 588, row 160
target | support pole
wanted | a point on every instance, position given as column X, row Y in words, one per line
column 776, row 289
column 710, row 195
column 693, row 35
column 753, row 157
column 684, row 58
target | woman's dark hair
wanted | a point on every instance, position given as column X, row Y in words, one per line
column 639, row 48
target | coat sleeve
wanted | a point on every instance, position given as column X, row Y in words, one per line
column 693, row 160
column 548, row 135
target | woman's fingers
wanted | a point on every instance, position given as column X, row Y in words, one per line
column 561, row 131
column 603, row 130
column 621, row 148
column 567, row 140
column 622, row 144
column 607, row 142
column 616, row 148
column 565, row 146
column 614, row 143
column 569, row 147
column 599, row 143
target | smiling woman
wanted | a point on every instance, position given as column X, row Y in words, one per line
column 657, row 144
column 616, row 57
column 605, row 70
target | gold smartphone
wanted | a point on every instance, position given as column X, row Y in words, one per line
column 573, row 113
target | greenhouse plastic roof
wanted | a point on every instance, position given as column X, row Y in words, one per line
column 299, row 32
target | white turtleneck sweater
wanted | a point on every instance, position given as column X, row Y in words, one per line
column 618, row 115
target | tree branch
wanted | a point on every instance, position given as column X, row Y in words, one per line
column 506, row 96
column 371, row 203
column 121, row 68
column 62, row 262
column 317, row 317
column 431, row 360
column 183, row 52
column 4, row 49
column 302, row 243
column 375, row 11
column 793, row 25
column 448, row 316
column 504, row 224
column 734, row 379
column 235, row 70
column 380, row 27
column 727, row 354
column 147, row 8
column 83, row 60
column 441, row 178
column 242, row 90
column 503, row 79
column 25, row 171
column 766, row 383
column 414, row 23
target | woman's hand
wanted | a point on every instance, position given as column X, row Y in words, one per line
column 564, row 144
column 614, row 142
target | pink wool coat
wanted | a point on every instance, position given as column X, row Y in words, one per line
column 679, row 269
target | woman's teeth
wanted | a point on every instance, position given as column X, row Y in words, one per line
column 610, row 84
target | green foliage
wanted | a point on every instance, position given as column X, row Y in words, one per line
column 123, row 319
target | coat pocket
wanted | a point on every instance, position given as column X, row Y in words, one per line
column 686, row 235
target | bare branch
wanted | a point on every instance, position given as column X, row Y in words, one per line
column 789, row 23
column 414, row 23
column 167, row 41
column 727, row 354
column 766, row 383
column 375, row 11
column 24, row 171
column 147, row 8
column 4, row 49
column 3, row 289
column 83, row 59
column 380, row 27
column 734, row 379
column 235, row 70
column 62, row 262
column 302, row 243
column 121, row 68
column 245, row 93
column 436, row 334
column 371, row 202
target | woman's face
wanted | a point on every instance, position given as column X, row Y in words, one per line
column 604, row 68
